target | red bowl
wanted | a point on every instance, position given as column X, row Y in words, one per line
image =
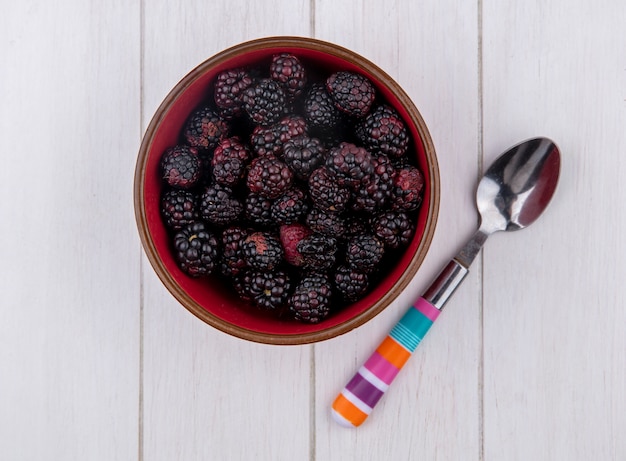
column 209, row 300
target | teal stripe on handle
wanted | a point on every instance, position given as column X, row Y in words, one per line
column 411, row 328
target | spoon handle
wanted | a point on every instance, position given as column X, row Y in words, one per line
column 357, row 399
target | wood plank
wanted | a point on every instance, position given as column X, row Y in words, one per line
column 554, row 319
column 69, row 255
column 432, row 409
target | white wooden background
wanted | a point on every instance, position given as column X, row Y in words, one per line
column 99, row 362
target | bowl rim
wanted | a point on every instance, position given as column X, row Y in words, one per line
column 382, row 78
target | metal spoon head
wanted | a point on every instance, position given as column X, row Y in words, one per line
column 518, row 186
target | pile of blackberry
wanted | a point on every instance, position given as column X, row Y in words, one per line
column 300, row 190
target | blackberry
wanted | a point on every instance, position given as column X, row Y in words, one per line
column 311, row 299
column 350, row 284
column 178, row 208
column 407, row 191
column 258, row 210
column 289, row 207
column 352, row 93
column 326, row 222
column 290, row 236
column 264, row 101
column 271, row 139
column 394, row 228
column 181, row 167
column 218, row 206
column 349, row 163
column 204, row 129
column 374, row 191
column 267, row 290
column 262, row 251
column 303, row 155
column 287, row 70
column 229, row 86
column 196, row 249
column 383, row 130
column 268, row 176
column 320, row 112
column 229, row 161
column 318, row 251
column 364, row 252
column 326, row 193
column 356, row 223
column 233, row 261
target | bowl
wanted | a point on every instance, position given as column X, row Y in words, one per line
column 208, row 299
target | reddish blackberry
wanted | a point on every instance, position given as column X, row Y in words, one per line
column 268, row 176
column 303, row 154
column 178, row 208
column 394, row 228
column 218, row 206
column 364, row 252
column 271, row 139
column 383, row 130
column 326, row 193
column 181, row 167
column 290, row 236
column 258, row 210
column 375, row 189
column 262, row 251
column 287, row 70
column 352, row 93
column 233, row 261
column 311, row 298
column 264, row 101
column 229, row 86
column 351, row 284
column 320, row 112
column 326, row 222
column 408, row 186
column 205, row 128
column 229, row 161
column 349, row 163
column 289, row 207
column 318, row 251
column 268, row 290
column 196, row 249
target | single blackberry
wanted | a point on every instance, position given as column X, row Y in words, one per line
column 229, row 161
column 178, row 208
column 262, row 251
column 290, row 236
column 233, row 261
column 350, row 284
column 218, row 206
column 318, row 251
column 311, row 299
column 349, row 163
column 383, row 130
column 364, row 252
column 229, row 86
column 181, row 167
column 356, row 223
column 289, row 207
column 287, row 70
column 320, row 112
column 326, row 193
column 408, row 187
column 258, row 210
column 375, row 189
column 269, row 176
column 326, row 222
column 303, row 155
column 196, row 249
column 264, row 101
column 271, row 139
column 394, row 228
column 352, row 93
column 268, row 290
column 204, row 129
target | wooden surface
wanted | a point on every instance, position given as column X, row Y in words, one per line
column 99, row 362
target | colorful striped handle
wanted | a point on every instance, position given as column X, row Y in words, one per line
column 356, row 401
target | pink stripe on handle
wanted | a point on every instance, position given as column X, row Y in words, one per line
column 383, row 370
column 426, row 308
